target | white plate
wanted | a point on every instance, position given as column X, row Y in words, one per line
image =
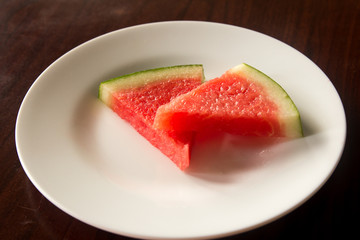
column 95, row 167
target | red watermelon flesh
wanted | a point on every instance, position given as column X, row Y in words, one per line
column 243, row 101
column 136, row 98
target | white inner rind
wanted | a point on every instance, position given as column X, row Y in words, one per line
column 289, row 117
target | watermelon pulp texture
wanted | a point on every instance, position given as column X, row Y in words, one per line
column 136, row 98
column 242, row 101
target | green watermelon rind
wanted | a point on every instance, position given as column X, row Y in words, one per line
column 292, row 122
column 142, row 78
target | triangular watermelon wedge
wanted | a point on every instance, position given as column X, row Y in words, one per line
column 136, row 97
column 242, row 101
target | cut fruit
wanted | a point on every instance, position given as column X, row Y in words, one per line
column 136, row 97
column 242, row 101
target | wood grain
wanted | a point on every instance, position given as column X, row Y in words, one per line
column 34, row 33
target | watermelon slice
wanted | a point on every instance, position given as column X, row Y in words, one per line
column 136, row 97
column 242, row 101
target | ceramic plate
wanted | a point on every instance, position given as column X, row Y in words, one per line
column 95, row 167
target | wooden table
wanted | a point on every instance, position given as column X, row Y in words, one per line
column 35, row 33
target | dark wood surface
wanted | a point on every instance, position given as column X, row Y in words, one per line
column 34, row 33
